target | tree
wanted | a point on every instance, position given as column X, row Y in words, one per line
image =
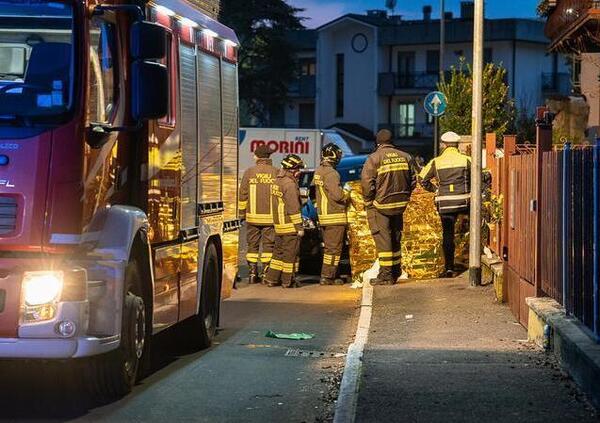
column 266, row 58
column 498, row 106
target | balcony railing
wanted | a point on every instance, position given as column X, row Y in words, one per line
column 391, row 82
column 409, row 130
column 556, row 84
column 303, row 87
column 566, row 13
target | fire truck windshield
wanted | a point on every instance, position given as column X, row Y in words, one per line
column 36, row 61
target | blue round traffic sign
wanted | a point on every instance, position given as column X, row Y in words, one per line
column 436, row 103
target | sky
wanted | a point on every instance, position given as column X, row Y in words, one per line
column 323, row 11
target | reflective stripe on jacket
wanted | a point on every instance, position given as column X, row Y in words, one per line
column 286, row 205
column 452, row 169
column 388, row 180
column 255, row 193
column 331, row 198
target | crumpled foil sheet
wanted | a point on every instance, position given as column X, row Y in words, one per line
column 422, row 255
column 362, row 247
column 230, row 261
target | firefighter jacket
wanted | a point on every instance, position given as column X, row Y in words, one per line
column 255, row 193
column 286, row 206
column 388, row 180
column 452, row 169
column 331, row 198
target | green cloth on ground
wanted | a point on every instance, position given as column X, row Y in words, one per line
column 292, row 336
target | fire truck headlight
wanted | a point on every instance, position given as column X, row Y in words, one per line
column 41, row 288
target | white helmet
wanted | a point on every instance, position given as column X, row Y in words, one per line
column 451, row 138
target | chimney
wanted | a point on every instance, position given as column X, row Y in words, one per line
column 427, row 13
column 467, row 10
column 448, row 16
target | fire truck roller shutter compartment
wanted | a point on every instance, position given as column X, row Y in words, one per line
column 189, row 136
column 210, row 158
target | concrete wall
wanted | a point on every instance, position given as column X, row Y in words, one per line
column 590, row 88
column 361, row 73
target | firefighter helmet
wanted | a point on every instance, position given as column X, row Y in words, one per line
column 292, row 162
column 332, row 153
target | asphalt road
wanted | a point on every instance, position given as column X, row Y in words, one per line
column 243, row 377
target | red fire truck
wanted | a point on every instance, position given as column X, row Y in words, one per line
column 118, row 180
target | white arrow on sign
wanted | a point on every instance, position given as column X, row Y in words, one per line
column 436, row 102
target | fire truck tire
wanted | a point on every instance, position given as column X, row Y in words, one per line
column 113, row 375
column 208, row 316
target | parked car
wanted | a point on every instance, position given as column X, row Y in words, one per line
column 311, row 248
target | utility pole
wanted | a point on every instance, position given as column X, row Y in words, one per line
column 476, row 148
column 436, row 121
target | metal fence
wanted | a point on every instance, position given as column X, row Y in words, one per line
column 580, row 235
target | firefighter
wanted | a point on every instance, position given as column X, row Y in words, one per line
column 452, row 172
column 255, row 208
column 388, row 180
column 331, row 207
column 286, row 205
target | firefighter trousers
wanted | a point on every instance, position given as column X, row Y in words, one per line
column 257, row 237
column 448, row 231
column 333, row 238
column 285, row 258
column 387, row 234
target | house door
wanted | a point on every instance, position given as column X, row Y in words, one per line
column 406, row 69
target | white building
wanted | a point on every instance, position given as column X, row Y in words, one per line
column 374, row 70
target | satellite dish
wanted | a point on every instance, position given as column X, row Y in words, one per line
column 391, row 4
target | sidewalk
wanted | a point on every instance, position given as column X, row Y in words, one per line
column 440, row 351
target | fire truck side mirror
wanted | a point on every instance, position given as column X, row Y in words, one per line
column 149, row 90
column 148, row 41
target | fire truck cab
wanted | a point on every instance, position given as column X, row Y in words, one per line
column 118, row 180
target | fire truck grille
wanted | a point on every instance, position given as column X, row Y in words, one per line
column 8, row 215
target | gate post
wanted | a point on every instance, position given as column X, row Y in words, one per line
column 544, row 143
column 510, row 148
column 596, row 248
column 566, row 221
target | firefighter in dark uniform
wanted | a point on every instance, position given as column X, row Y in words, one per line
column 331, row 207
column 255, row 208
column 452, row 172
column 286, row 206
column 388, row 180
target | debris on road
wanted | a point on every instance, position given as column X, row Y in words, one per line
column 293, row 336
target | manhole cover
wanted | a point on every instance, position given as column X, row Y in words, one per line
column 295, row 352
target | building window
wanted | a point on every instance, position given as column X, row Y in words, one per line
column 308, row 67
column 488, row 56
column 339, row 104
column 406, row 69
column 406, row 120
column 433, row 61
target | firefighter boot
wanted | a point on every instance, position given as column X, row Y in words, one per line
column 263, row 274
column 253, row 275
column 384, row 278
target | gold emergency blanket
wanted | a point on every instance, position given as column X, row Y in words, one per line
column 422, row 255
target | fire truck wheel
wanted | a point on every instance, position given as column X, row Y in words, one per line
column 210, row 299
column 114, row 374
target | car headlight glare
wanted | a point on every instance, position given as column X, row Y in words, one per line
column 42, row 287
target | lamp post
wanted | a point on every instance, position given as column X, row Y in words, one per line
column 476, row 148
column 436, row 123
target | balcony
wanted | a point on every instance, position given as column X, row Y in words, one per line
column 409, row 130
column 391, row 83
column 303, row 87
column 570, row 24
column 556, row 84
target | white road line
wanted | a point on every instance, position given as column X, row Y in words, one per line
column 345, row 408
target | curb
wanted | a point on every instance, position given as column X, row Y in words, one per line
column 577, row 353
column 345, row 408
